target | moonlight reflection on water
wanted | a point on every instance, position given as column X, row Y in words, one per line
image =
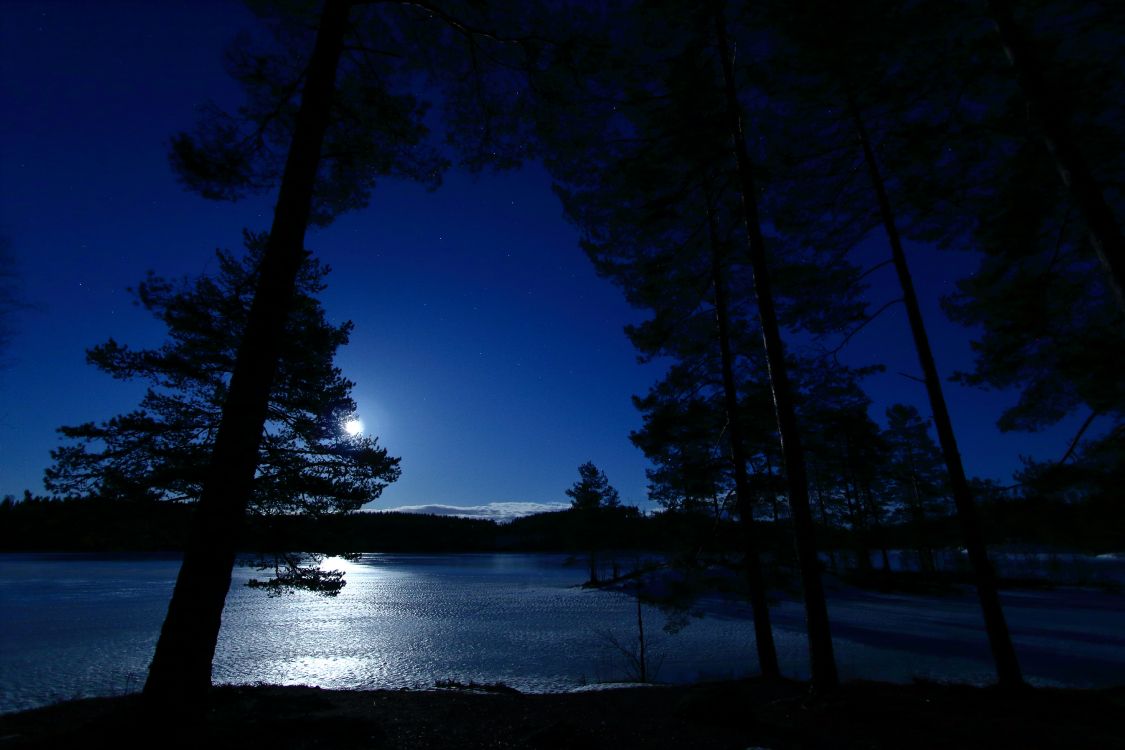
column 82, row 625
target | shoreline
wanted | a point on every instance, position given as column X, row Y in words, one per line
column 733, row 714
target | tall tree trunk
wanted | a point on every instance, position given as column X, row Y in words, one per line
column 859, row 523
column 1000, row 640
column 877, row 536
column 1050, row 113
column 180, row 673
column 823, row 661
column 763, row 633
column 642, row 644
column 769, row 488
column 918, row 519
column 818, row 491
column 856, row 509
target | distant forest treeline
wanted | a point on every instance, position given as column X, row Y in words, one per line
column 99, row 525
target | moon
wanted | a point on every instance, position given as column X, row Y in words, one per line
column 353, row 427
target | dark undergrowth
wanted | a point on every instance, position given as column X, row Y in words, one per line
column 742, row 714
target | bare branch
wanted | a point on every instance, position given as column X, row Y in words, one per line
column 1078, row 436
column 861, row 326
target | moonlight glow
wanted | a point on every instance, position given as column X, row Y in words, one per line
column 353, row 427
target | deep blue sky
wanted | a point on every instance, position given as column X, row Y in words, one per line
column 486, row 352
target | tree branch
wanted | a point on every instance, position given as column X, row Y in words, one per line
column 860, row 327
column 1078, row 436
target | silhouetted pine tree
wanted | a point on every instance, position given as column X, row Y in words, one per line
column 1051, row 110
column 1047, row 308
column 181, row 667
column 633, row 176
column 846, row 56
column 657, row 124
column 914, row 465
column 596, row 502
column 307, row 464
column 321, row 127
column 844, row 452
column 823, row 661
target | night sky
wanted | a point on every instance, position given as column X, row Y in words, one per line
column 486, row 352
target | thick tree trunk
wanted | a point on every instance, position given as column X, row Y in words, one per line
column 823, row 661
column 180, row 673
column 763, row 633
column 1050, row 113
column 1000, row 640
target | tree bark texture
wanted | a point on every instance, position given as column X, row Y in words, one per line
column 823, row 661
column 763, row 633
column 1050, row 113
column 180, row 673
column 999, row 638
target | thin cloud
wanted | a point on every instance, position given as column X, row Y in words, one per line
column 499, row 512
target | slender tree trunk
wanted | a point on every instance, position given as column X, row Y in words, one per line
column 1051, row 114
column 180, row 673
column 763, row 633
column 999, row 638
column 818, row 491
column 859, row 525
column 877, row 535
column 918, row 518
column 856, row 512
column 642, row 645
column 823, row 661
column 769, row 488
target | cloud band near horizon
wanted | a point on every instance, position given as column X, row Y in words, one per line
column 499, row 512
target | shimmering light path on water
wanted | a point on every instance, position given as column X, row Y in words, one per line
column 86, row 625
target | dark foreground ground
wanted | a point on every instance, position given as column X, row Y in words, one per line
column 749, row 714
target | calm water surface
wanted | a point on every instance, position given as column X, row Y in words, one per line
column 81, row 625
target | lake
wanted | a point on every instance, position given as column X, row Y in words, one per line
column 86, row 625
